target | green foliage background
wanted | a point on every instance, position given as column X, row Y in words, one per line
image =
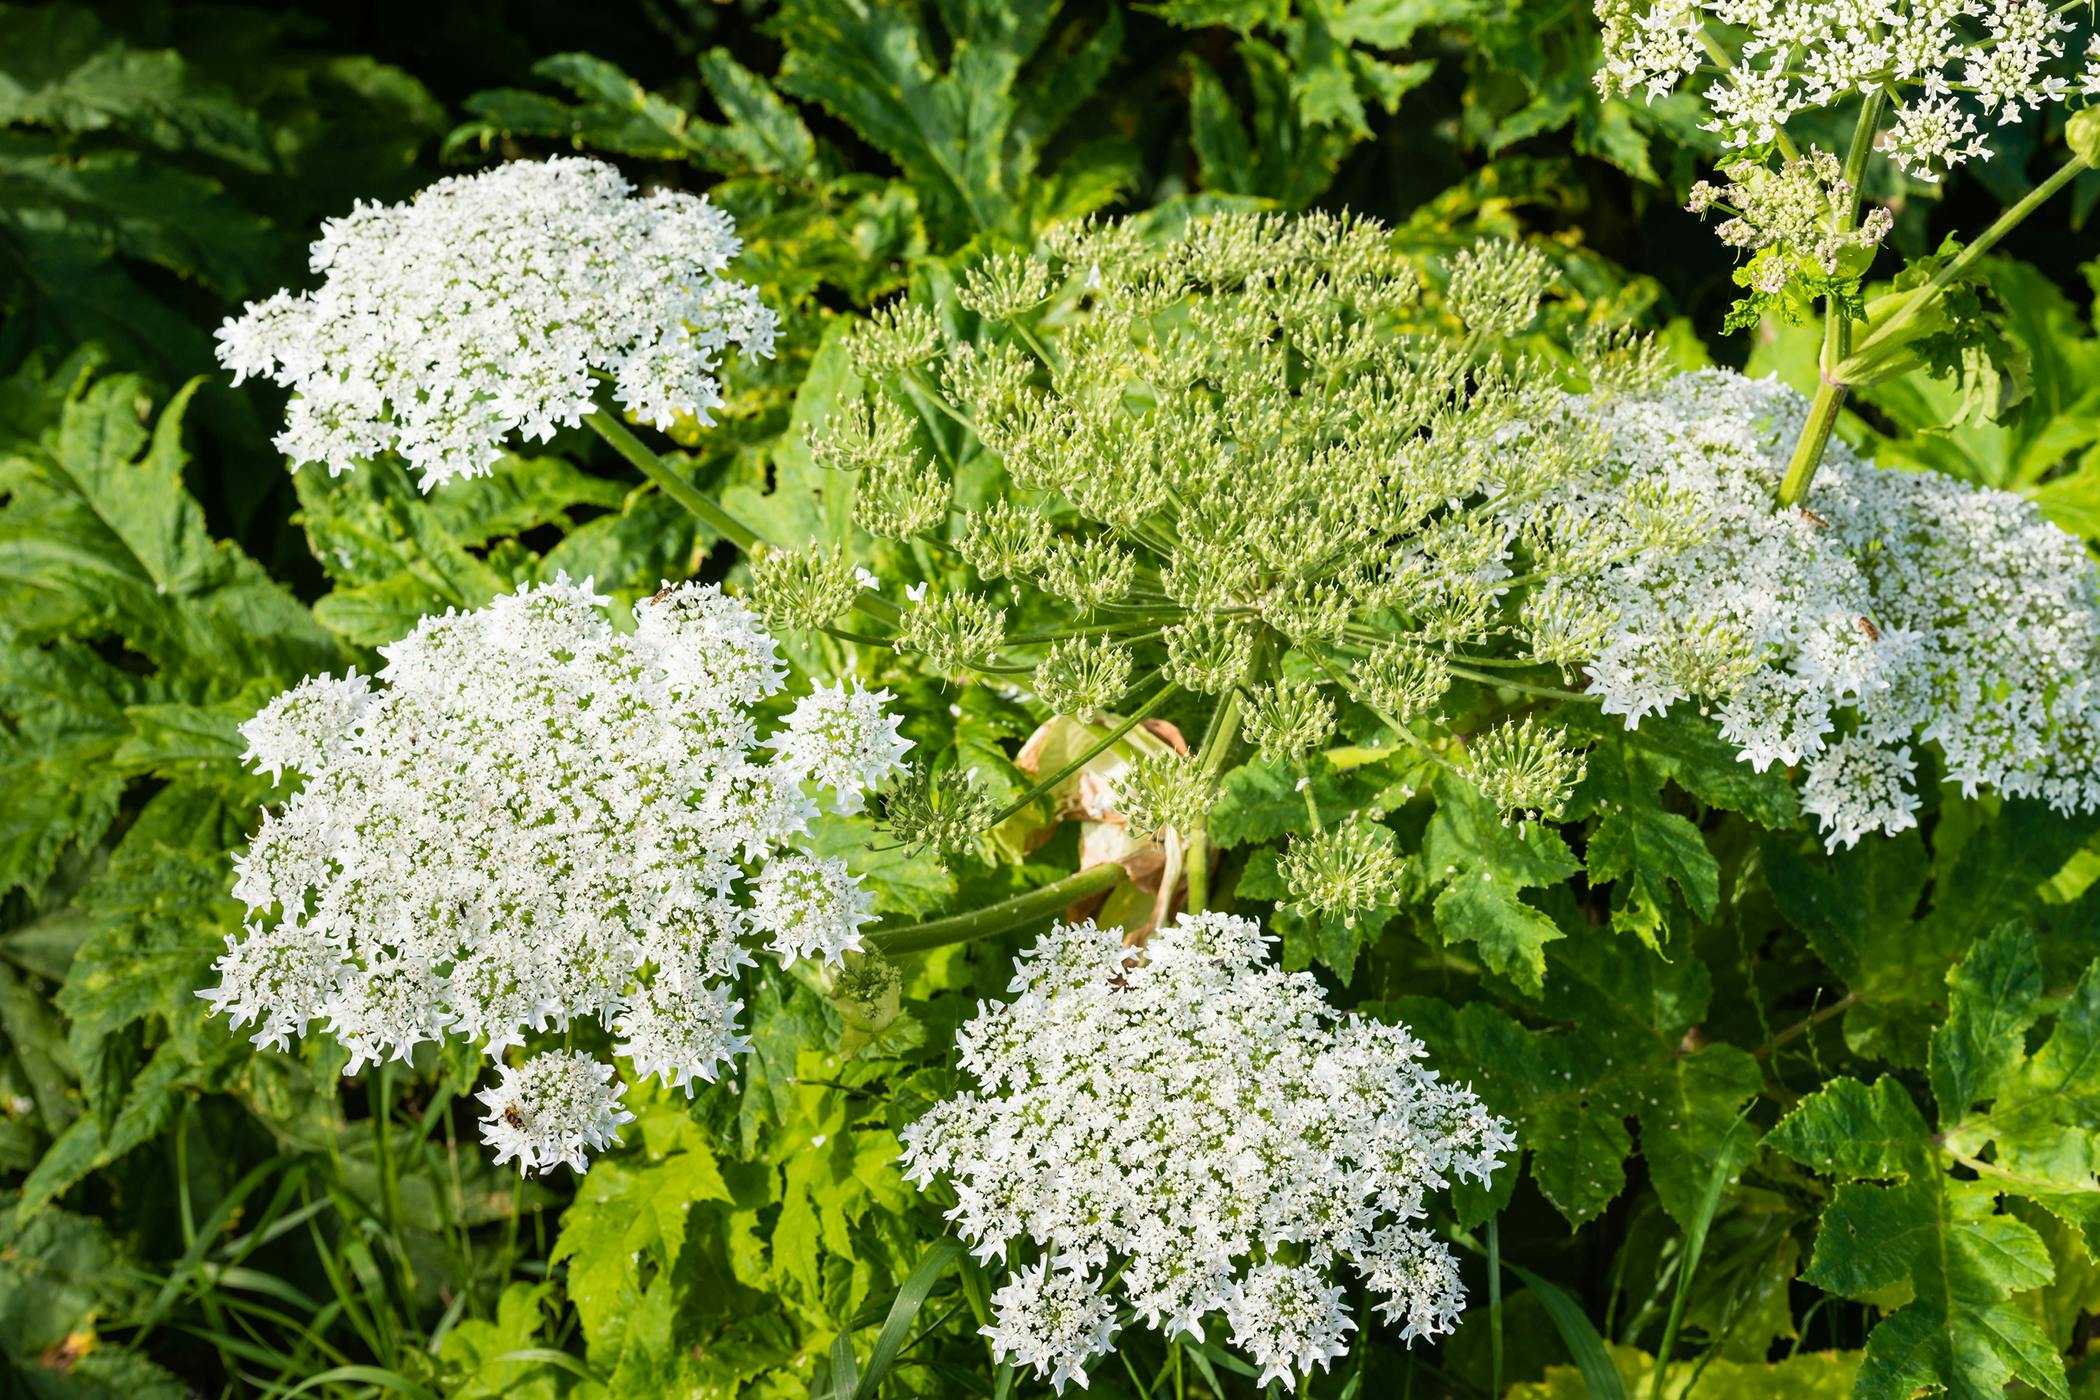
column 1811, row 1125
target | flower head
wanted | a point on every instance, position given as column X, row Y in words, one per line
column 548, row 1110
column 1241, row 455
column 1195, row 1130
column 1904, row 608
column 842, row 739
column 302, row 727
column 1345, row 870
column 484, row 306
column 533, row 818
column 1944, row 63
column 1055, row 1320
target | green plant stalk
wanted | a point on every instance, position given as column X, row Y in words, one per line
column 1217, row 743
column 1960, row 264
column 702, row 507
column 1837, row 328
column 608, row 426
column 1857, row 365
column 1494, row 1251
column 1002, row 917
column 1814, row 441
column 1406, row 735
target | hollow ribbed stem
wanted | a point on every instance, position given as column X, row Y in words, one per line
column 608, row 426
column 1546, row 692
column 1217, row 744
column 1837, row 328
column 1003, row 917
column 1869, row 361
column 1823, row 413
column 1961, row 262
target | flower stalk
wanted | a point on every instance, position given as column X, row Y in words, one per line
column 1218, row 740
column 1003, row 917
column 1837, row 326
column 1889, row 349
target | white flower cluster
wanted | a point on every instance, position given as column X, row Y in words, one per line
column 1197, row 1129
column 485, row 305
column 550, row 1109
column 1946, row 63
column 1904, row 608
column 533, row 818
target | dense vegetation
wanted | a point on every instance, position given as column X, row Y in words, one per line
column 1788, row 1118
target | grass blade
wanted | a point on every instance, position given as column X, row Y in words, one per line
column 1494, row 1243
column 548, row 1356
column 910, row 1298
column 844, row 1380
column 1694, row 1246
column 1599, row 1377
column 368, row 1375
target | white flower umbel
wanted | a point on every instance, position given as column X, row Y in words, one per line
column 1196, row 1130
column 1952, row 69
column 533, row 818
column 843, row 740
column 811, row 907
column 484, row 306
column 1904, row 608
column 1055, row 1320
column 548, row 1110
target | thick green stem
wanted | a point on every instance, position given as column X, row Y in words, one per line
column 608, row 426
column 1961, row 262
column 1003, row 917
column 1217, row 743
column 1546, row 692
column 1837, row 326
column 1886, row 353
column 1815, row 437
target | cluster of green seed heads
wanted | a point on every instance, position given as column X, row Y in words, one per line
column 1248, row 457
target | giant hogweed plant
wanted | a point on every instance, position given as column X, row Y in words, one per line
column 535, row 821
column 1243, row 471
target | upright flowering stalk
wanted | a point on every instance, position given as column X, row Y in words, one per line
column 531, row 819
column 1192, row 1134
column 1906, row 609
column 1240, row 463
column 1925, row 82
column 487, row 305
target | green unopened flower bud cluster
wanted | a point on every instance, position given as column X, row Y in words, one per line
column 1194, row 456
